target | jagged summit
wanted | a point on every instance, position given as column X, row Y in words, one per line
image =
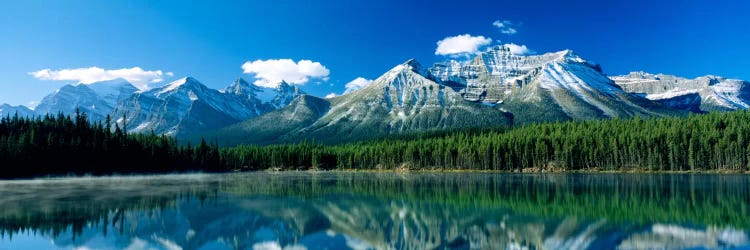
column 117, row 82
column 282, row 95
column 556, row 86
column 181, row 107
column 503, row 51
column 113, row 91
column 241, row 87
column 412, row 64
column 96, row 99
column 187, row 106
column 248, row 91
column 702, row 94
column 501, row 68
column 637, row 76
column 185, row 82
column 402, row 100
column 409, row 66
column 277, row 97
column 493, row 74
column 479, row 91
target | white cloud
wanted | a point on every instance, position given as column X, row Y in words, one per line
column 505, row 26
column 357, row 84
column 269, row 73
column 518, row 49
column 461, row 45
column 135, row 75
column 331, row 95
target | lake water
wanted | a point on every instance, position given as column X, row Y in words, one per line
column 320, row 210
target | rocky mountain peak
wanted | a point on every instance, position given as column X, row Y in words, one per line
column 284, row 87
column 284, row 94
column 241, row 87
column 70, row 98
column 186, row 83
column 701, row 94
column 412, row 64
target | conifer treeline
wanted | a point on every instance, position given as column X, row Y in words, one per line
column 63, row 145
column 716, row 141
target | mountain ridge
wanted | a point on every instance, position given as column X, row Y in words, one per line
column 401, row 100
column 700, row 94
column 555, row 86
column 494, row 88
column 188, row 106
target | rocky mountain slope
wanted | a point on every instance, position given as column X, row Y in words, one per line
column 496, row 88
column 182, row 107
column 402, row 100
column 186, row 106
column 702, row 94
column 97, row 100
column 537, row 88
column 263, row 99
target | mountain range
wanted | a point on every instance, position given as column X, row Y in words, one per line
column 496, row 88
column 402, row 100
column 702, row 94
column 96, row 100
column 187, row 106
column 539, row 88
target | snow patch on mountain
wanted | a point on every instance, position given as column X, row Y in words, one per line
column 496, row 73
column 97, row 100
column 671, row 94
column 173, row 85
column 192, row 96
column 187, row 106
column 716, row 93
column 277, row 97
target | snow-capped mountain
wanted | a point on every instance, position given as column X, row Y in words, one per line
column 97, row 100
column 402, row 100
column 493, row 75
column 261, row 98
column 280, row 96
column 10, row 110
column 180, row 107
column 405, row 99
column 186, row 106
column 113, row 91
column 702, row 94
column 552, row 86
column 494, row 88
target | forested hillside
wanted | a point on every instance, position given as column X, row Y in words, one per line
column 716, row 141
column 61, row 145
column 65, row 145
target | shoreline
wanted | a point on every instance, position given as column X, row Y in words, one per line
column 592, row 171
column 395, row 171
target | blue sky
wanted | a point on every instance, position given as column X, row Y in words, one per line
column 340, row 41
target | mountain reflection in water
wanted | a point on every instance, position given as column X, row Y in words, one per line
column 322, row 210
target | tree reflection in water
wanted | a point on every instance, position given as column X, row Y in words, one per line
column 337, row 210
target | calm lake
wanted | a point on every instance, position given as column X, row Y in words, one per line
column 321, row 210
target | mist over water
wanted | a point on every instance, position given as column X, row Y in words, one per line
column 335, row 210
